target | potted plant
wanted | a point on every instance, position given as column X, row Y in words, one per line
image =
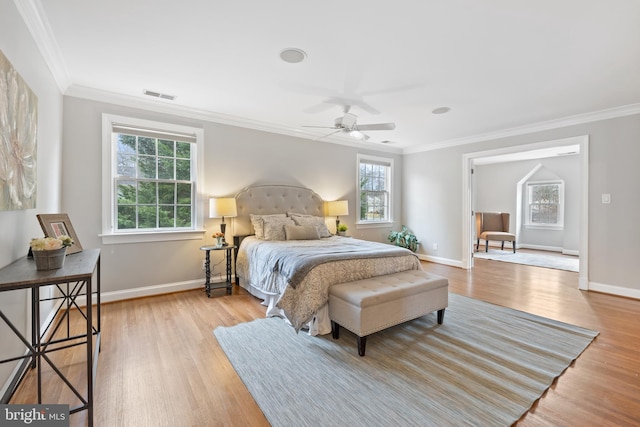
column 404, row 238
column 219, row 238
column 342, row 229
column 49, row 252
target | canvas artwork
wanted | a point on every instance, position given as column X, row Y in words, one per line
column 18, row 126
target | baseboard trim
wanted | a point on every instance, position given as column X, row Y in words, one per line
column 145, row 291
column 539, row 247
column 614, row 290
column 438, row 260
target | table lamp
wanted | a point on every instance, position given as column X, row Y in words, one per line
column 221, row 207
column 337, row 208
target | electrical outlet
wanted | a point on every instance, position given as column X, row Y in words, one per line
column 435, row 246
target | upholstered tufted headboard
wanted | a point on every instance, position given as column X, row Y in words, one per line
column 270, row 199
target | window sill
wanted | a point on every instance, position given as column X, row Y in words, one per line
column 381, row 224
column 544, row 227
column 151, row 236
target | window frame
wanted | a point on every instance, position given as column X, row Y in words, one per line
column 559, row 224
column 110, row 234
column 388, row 162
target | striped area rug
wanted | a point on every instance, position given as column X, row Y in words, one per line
column 485, row 366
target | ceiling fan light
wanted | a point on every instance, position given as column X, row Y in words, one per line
column 356, row 134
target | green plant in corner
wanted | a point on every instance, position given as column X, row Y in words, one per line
column 404, row 238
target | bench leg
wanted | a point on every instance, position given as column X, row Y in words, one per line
column 502, row 247
column 440, row 316
column 362, row 343
column 486, row 246
column 514, row 246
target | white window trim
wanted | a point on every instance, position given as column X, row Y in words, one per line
column 374, row 224
column 560, row 224
column 109, row 235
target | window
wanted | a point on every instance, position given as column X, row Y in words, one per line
column 545, row 204
column 374, row 197
column 152, row 174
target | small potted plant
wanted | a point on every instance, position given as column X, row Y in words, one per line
column 49, row 252
column 219, row 238
column 342, row 229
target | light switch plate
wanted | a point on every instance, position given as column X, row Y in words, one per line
column 606, row 199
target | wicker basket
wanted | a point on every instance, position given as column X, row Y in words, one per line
column 49, row 260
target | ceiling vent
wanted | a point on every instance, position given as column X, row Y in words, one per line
column 158, row 95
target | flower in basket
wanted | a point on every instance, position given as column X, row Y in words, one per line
column 217, row 235
column 50, row 243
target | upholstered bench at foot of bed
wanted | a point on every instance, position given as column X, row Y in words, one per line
column 371, row 305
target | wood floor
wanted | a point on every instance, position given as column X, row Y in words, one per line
column 160, row 364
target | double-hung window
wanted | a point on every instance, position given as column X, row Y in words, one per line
column 151, row 177
column 375, row 195
column 545, row 204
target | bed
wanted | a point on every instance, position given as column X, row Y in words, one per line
column 289, row 259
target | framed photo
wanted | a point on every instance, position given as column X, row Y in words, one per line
column 56, row 225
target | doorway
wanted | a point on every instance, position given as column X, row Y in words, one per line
column 527, row 151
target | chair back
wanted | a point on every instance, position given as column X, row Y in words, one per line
column 492, row 221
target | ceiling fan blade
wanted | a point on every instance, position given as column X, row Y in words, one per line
column 329, row 134
column 377, row 126
column 320, row 127
column 319, row 108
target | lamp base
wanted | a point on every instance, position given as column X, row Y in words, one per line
column 223, row 228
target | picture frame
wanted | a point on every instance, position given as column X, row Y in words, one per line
column 56, row 225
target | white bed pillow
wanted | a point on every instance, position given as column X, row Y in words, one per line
column 316, row 221
column 274, row 227
column 258, row 223
column 301, row 232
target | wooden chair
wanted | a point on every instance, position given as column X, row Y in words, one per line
column 493, row 226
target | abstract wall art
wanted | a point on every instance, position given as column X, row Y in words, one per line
column 18, row 131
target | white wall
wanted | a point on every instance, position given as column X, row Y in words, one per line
column 234, row 157
column 496, row 185
column 18, row 227
column 432, row 198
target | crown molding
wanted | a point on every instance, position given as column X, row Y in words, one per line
column 610, row 113
column 35, row 19
column 167, row 107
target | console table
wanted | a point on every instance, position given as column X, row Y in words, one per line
column 73, row 280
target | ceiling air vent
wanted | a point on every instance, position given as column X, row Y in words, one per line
column 158, row 95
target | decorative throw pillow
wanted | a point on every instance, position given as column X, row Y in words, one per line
column 316, row 221
column 258, row 223
column 274, row 227
column 301, row 232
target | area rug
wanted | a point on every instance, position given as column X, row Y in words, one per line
column 486, row 365
column 537, row 260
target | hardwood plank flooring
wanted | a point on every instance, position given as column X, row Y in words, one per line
column 160, row 364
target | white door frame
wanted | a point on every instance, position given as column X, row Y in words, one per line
column 468, row 220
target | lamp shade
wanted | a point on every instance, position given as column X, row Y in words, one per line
column 223, row 206
column 338, row 208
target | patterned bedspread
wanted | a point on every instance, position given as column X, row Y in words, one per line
column 260, row 264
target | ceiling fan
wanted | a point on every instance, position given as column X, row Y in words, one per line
column 348, row 124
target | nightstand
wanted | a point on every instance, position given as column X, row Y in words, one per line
column 229, row 252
